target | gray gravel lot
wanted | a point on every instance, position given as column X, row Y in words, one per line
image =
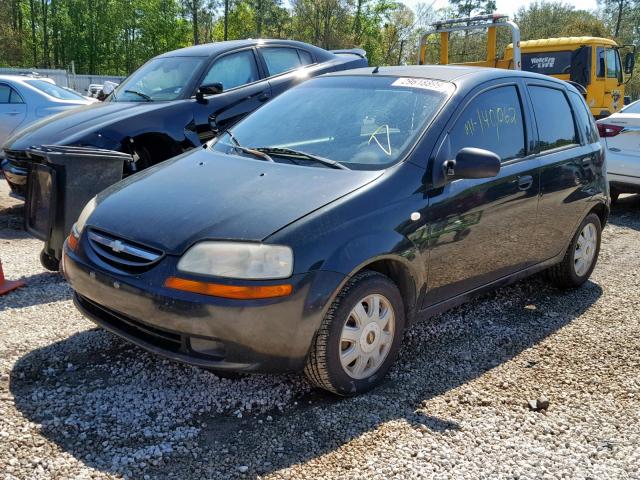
column 77, row 402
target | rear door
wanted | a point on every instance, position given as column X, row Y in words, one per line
column 244, row 90
column 482, row 230
column 13, row 111
column 568, row 161
column 285, row 66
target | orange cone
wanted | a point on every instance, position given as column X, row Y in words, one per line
column 5, row 285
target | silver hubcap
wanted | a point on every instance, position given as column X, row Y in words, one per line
column 367, row 336
column 585, row 249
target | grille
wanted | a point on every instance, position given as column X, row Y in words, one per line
column 17, row 157
column 158, row 337
column 123, row 254
column 155, row 336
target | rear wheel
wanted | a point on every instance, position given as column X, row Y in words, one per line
column 581, row 256
column 359, row 337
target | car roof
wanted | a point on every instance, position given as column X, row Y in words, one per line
column 18, row 78
column 447, row 73
column 209, row 49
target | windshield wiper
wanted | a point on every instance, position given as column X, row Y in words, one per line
column 140, row 94
column 299, row 154
column 252, row 151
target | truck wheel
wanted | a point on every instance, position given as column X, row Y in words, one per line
column 581, row 256
column 49, row 262
column 359, row 337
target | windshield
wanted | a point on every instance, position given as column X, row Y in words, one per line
column 54, row 90
column 361, row 122
column 160, row 79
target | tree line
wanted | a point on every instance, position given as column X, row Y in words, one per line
column 114, row 37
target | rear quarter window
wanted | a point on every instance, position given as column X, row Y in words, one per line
column 492, row 121
column 586, row 119
column 556, row 125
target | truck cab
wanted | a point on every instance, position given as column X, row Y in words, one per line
column 591, row 64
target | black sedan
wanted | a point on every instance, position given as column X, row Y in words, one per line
column 316, row 230
column 179, row 100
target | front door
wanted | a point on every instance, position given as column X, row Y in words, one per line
column 482, row 230
column 13, row 111
column 609, row 80
column 244, row 90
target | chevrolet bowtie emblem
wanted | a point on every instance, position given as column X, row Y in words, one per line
column 117, row 246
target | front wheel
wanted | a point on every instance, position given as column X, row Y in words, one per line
column 359, row 337
column 581, row 256
column 49, row 262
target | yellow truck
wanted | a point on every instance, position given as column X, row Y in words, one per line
column 592, row 64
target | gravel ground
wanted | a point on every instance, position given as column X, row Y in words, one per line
column 77, row 402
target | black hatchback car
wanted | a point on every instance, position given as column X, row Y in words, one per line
column 313, row 233
column 179, row 100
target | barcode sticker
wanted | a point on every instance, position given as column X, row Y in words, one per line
column 424, row 83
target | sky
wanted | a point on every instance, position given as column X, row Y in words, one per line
column 508, row 7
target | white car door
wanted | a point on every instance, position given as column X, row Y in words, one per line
column 13, row 111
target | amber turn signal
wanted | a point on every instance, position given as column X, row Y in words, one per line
column 238, row 292
column 72, row 241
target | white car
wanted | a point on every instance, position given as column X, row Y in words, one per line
column 25, row 99
column 620, row 135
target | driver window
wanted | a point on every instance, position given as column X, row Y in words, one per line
column 492, row 121
column 613, row 63
column 233, row 70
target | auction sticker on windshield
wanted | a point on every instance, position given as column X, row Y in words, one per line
column 424, row 83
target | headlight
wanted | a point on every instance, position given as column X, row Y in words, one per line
column 248, row 261
column 88, row 209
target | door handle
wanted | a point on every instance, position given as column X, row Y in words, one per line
column 13, row 114
column 525, row 182
column 264, row 96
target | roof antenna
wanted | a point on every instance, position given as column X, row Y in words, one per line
column 375, row 70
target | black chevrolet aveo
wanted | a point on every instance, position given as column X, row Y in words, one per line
column 315, row 231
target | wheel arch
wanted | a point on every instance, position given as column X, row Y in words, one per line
column 401, row 272
column 602, row 211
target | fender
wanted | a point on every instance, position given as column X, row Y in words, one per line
column 380, row 251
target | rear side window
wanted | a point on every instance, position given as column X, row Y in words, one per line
column 280, row 59
column 233, row 70
column 547, row 63
column 492, row 121
column 9, row 95
column 632, row 108
column 585, row 117
column 305, row 57
column 556, row 125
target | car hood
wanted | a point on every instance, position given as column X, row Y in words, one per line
column 71, row 126
column 206, row 195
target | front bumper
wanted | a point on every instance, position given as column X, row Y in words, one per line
column 271, row 335
column 16, row 176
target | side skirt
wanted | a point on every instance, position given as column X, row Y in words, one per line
column 445, row 305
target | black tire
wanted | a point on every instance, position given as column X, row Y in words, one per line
column 563, row 274
column 323, row 367
column 614, row 197
column 49, row 262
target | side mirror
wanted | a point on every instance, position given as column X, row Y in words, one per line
column 472, row 163
column 629, row 63
column 208, row 89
